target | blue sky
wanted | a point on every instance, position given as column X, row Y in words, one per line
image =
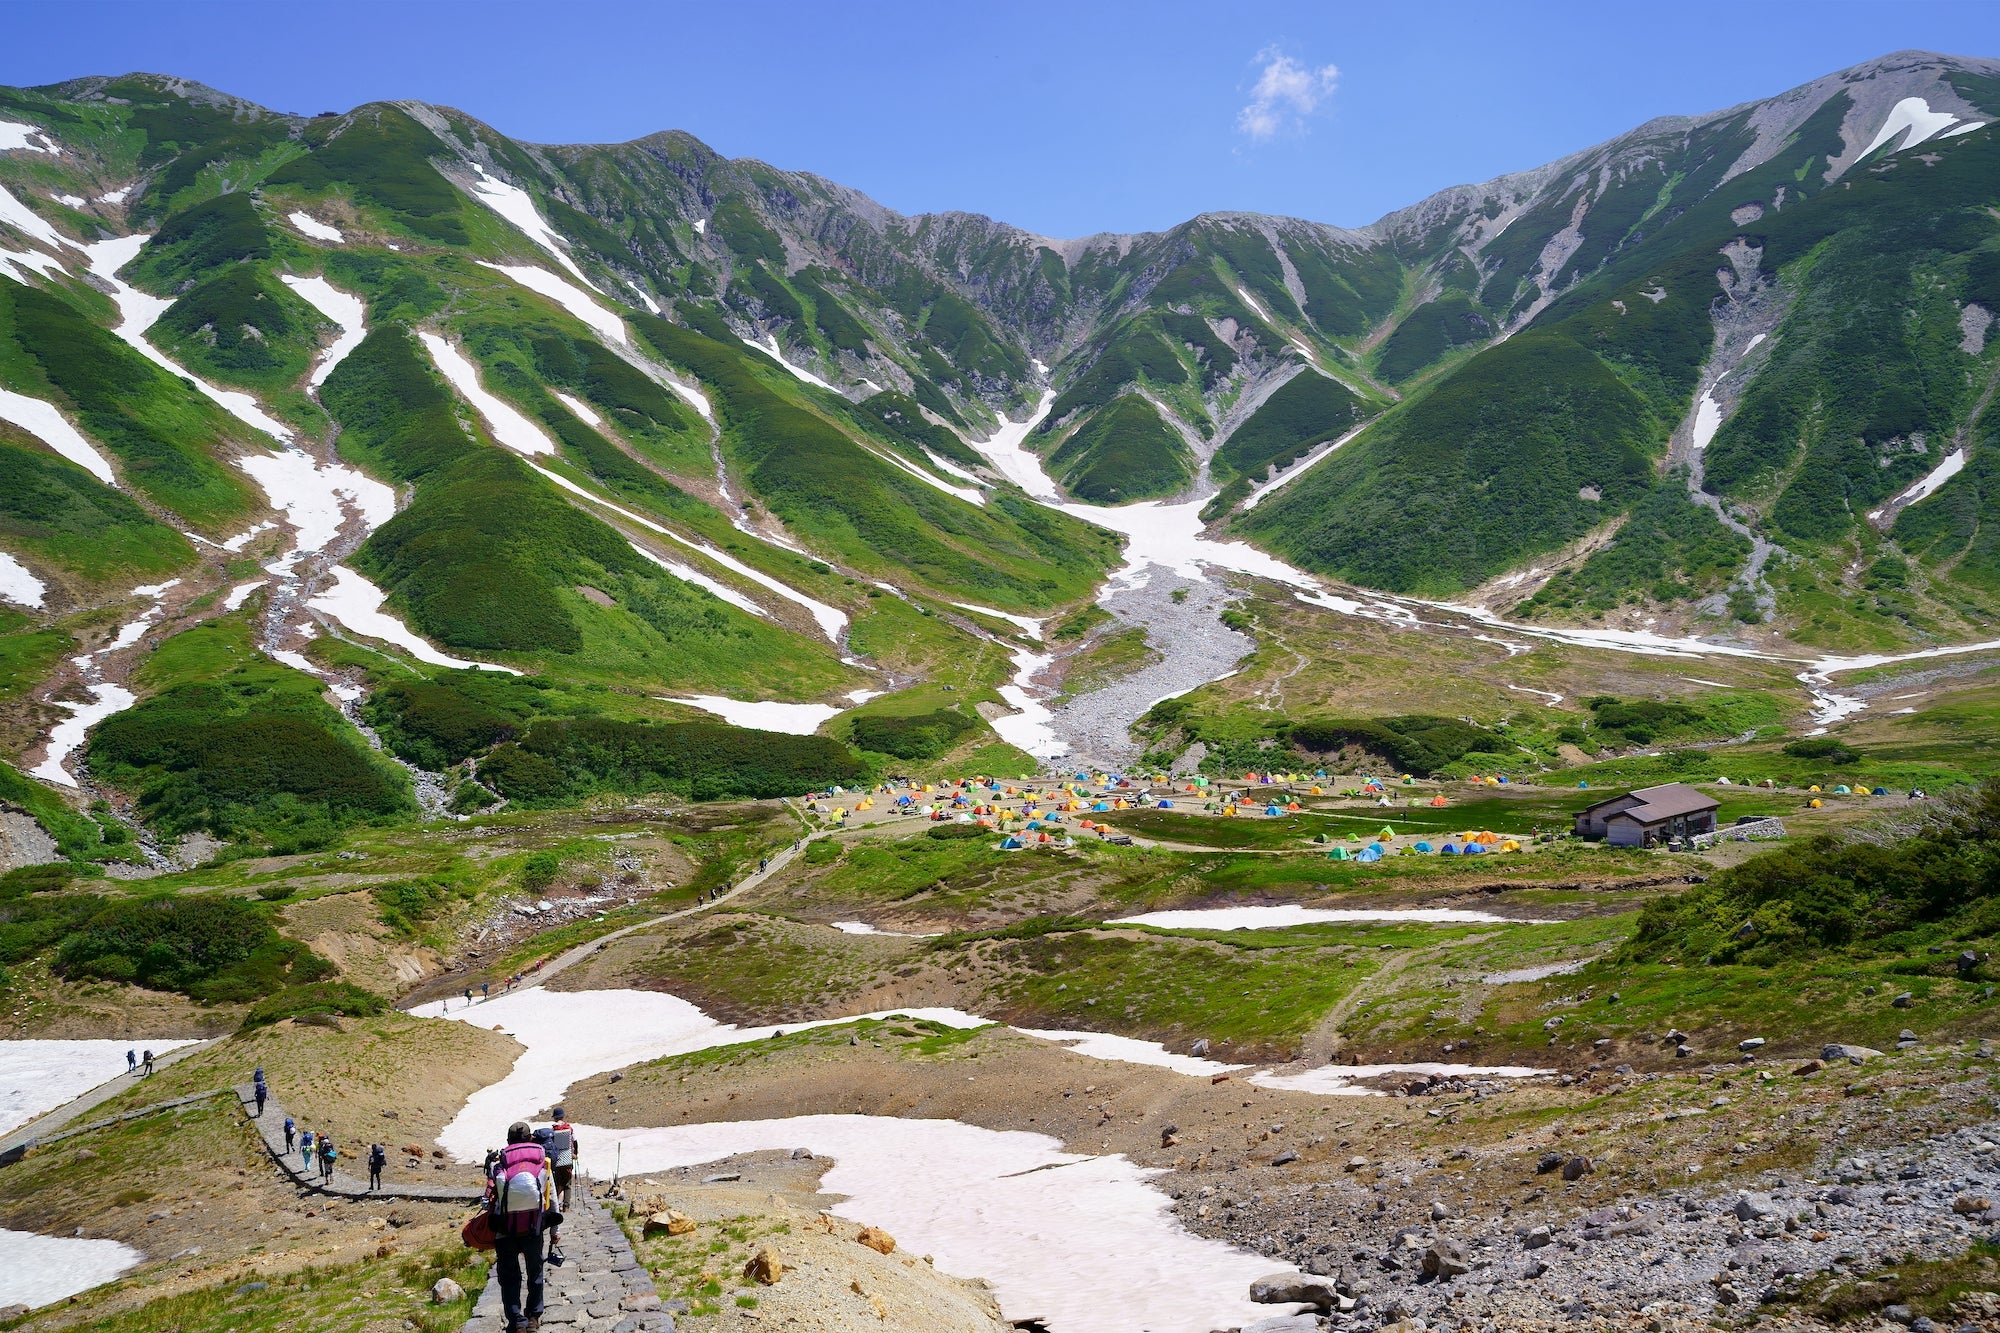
column 1064, row 117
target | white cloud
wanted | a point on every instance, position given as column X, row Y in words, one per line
column 1285, row 94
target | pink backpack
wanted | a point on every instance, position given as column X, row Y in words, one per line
column 519, row 1190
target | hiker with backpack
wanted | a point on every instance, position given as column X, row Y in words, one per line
column 327, row 1157
column 562, row 1156
column 306, row 1151
column 260, row 1088
column 520, row 1204
column 378, row 1157
column 291, row 1135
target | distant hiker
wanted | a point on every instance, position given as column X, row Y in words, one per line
column 327, row 1157
column 306, row 1151
column 378, row 1157
column 149, row 1064
column 484, row 986
column 291, row 1134
column 762, row 862
column 518, row 1194
column 260, row 1088
column 563, row 1152
column 468, row 997
column 131, row 1061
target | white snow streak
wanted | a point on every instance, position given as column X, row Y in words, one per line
column 347, row 310
column 763, row 714
column 357, row 604
column 508, row 425
column 1005, row 448
column 41, row 1270
column 19, row 585
column 568, row 296
column 1029, row 626
column 769, row 346
column 584, row 411
column 701, row 580
column 19, row 216
column 518, row 207
column 141, row 311
column 15, row 135
column 313, row 227
column 1915, row 115
column 41, row 420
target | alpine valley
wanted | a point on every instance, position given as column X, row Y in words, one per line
column 487, row 626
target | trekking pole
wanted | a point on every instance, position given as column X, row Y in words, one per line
column 618, row 1170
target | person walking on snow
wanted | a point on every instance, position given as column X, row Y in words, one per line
column 377, row 1159
column 131, row 1061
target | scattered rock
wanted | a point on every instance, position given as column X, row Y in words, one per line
column 1446, row 1258
column 1966, row 1204
column 1440, row 1210
column 1750, row 1044
column 1576, row 1168
column 1300, row 1288
column 877, row 1240
column 1356, row 1162
column 1901, row 1001
column 1536, row 1238
column 802, row 1154
column 765, row 1267
column 1547, row 1162
column 1200, row 1047
column 1810, row 1067
column 444, row 1291
column 1285, row 1158
column 1834, row 1052
column 668, row 1223
column 1754, row 1207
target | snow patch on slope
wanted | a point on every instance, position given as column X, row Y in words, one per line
column 357, row 604
column 15, row 135
column 509, row 427
column 1915, row 115
column 41, row 420
column 568, row 296
column 313, row 227
column 763, row 714
column 343, row 308
column 518, row 207
column 19, row 585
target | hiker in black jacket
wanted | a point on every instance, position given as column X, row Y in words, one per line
column 377, row 1159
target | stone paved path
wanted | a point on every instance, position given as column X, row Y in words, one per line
column 602, row 1289
column 271, row 1128
column 43, row 1126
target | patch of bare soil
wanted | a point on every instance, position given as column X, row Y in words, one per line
column 721, row 1243
column 346, row 929
column 44, row 1006
column 391, row 1079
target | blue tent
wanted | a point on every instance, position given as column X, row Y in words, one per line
column 1879, row 791
column 1272, row 810
column 1372, row 852
column 1451, row 849
column 1101, row 805
column 1583, row 784
column 1423, row 847
column 1503, row 779
column 1010, row 843
column 1474, row 849
column 1164, row 805
column 1375, row 847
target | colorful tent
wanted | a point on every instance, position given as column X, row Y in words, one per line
column 1010, row 843
column 1338, row 854
column 1879, row 791
column 1450, row 849
column 1423, row 847
column 1372, row 852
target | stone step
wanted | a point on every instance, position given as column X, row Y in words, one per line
column 602, row 1288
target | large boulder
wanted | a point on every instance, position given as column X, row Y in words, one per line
column 765, row 1266
column 1295, row 1288
column 444, row 1291
column 877, row 1240
column 1446, row 1258
column 1834, row 1052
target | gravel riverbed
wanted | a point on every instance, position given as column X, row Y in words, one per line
column 1195, row 648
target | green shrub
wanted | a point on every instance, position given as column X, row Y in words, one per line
column 1823, row 747
column 1310, row 409
column 921, row 736
column 386, row 156
column 1414, row 743
column 559, row 759
column 218, row 231
column 211, row 948
column 325, row 997
column 1830, row 894
column 1125, row 452
column 955, row 832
